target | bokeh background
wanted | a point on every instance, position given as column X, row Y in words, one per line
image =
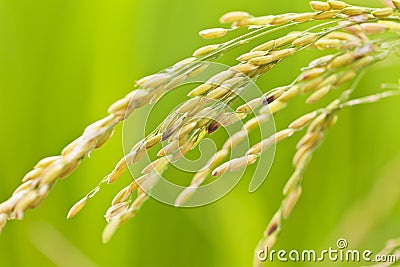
column 63, row 62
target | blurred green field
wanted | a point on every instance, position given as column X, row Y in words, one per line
column 63, row 62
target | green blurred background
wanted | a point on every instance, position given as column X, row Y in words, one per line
column 63, row 62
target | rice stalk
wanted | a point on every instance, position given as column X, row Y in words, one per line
column 354, row 37
column 222, row 86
